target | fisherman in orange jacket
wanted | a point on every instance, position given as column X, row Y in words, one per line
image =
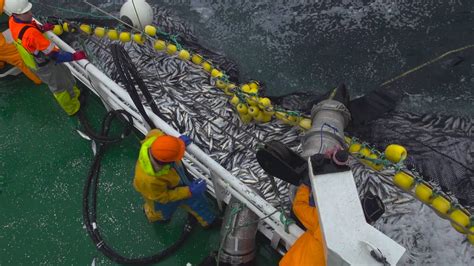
column 42, row 56
column 9, row 54
column 308, row 250
column 159, row 181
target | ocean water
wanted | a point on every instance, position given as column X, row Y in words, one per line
column 316, row 45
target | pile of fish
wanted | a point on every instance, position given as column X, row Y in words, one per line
column 187, row 98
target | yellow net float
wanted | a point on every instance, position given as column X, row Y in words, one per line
column 99, row 32
column 266, row 118
column 171, row 49
column 86, row 29
column 184, row 55
column 264, row 103
column 159, row 45
column 242, row 108
column 197, row 59
column 395, row 153
column 245, row 88
column 459, row 217
column 229, row 88
column 355, row 147
column 424, row 193
column 365, row 152
column 254, row 111
column 252, row 100
column 113, row 35
column 372, row 164
column 206, row 66
column 254, row 85
column 259, row 117
column 305, row 123
column 67, row 28
column 125, row 37
column 220, row 84
column 138, row 38
column 403, row 181
column 470, row 237
column 234, row 100
column 441, row 205
column 150, row 30
column 246, row 118
column 215, row 73
column 58, row 30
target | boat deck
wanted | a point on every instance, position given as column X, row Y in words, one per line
column 43, row 166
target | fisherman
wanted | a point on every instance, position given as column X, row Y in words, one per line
column 309, row 248
column 9, row 54
column 157, row 178
column 42, row 56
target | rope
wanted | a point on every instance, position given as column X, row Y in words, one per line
column 426, row 64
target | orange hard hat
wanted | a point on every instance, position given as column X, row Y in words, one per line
column 168, row 149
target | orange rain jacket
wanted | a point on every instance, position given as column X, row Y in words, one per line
column 308, row 250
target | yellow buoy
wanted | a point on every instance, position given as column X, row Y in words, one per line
column 281, row 116
column 264, row 103
column 234, row 100
column 125, row 36
column 252, row 100
column 242, row 108
column 253, row 91
column 58, row 30
column 67, row 27
column 253, row 111
column 441, row 206
column 220, row 84
column 113, row 35
column 292, row 118
column 86, row 29
column 99, row 32
column 159, row 45
column 260, row 117
column 138, row 38
column 184, row 55
column 403, row 180
column 266, row 118
column 470, row 237
column 197, row 59
column 215, row 73
column 207, row 66
column 150, row 30
column 245, row 88
column 365, row 152
column 254, row 85
column 171, row 49
column 461, row 218
column 424, row 193
column 305, row 123
column 229, row 89
column 372, row 164
column 355, row 148
column 246, row 118
column 395, row 153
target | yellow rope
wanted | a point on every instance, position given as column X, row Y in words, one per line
column 427, row 63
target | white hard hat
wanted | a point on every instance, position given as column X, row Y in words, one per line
column 17, row 6
column 137, row 12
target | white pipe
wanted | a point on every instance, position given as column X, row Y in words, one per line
column 251, row 198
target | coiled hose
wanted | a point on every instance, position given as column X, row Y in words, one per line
column 128, row 73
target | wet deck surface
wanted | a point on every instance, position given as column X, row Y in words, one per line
column 43, row 166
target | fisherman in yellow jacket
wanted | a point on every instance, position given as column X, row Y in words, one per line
column 308, row 250
column 159, row 182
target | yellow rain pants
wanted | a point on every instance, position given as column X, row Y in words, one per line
column 69, row 104
column 9, row 54
column 308, row 250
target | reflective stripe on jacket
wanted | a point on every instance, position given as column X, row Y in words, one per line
column 163, row 185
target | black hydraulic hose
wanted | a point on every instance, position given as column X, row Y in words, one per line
column 90, row 204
